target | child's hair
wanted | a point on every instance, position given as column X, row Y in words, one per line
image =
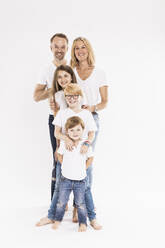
column 73, row 89
column 55, row 86
column 74, row 121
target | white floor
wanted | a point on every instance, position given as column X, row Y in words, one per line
column 135, row 227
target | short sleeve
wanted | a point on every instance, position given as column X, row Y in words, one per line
column 58, row 120
column 42, row 77
column 90, row 152
column 102, row 79
column 91, row 125
column 61, row 149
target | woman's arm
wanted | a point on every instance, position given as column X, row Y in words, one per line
column 41, row 92
column 104, row 100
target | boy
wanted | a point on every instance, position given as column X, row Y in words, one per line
column 73, row 166
column 73, row 95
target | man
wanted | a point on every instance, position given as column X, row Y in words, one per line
column 59, row 47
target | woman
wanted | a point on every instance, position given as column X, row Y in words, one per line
column 92, row 81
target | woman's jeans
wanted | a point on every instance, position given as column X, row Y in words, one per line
column 65, row 188
column 88, row 183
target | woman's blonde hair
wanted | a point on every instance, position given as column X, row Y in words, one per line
column 91, row 58
column 73, row 89
column 55, row 85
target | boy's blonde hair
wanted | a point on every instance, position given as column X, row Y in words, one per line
column 73, row 89
column 74, row 121
column 91, row 58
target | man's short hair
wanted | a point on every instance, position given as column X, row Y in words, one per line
column 74, row 121
column 60, row 35
column 73, row 89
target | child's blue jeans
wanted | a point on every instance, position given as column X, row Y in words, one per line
column 78, row 187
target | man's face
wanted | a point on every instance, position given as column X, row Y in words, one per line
column 75, row 133
column 59, row 48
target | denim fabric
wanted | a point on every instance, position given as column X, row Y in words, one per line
column 78, row 187
column 52, row 209
column 53, row 143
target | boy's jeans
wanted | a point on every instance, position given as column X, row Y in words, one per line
column 88, row 195
column 78, row 187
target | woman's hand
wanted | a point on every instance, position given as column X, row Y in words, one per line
column 69, row 144
column 53, row 105
column 55, row 154
column 90, row 108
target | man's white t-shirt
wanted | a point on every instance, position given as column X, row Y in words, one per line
column 74, row 163
column 46, row 77
column 92, row 84
column 85, row 115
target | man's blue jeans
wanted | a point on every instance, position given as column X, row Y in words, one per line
column 78, row 187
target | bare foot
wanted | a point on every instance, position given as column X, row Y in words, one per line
column 82, row 228
column 75, row 215
column 95, row 225
column 44, row 221
column 56, row 225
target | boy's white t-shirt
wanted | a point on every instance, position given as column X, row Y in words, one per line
column 85, row 115
column 92, row 84
column 60, row 99
column 74, row 163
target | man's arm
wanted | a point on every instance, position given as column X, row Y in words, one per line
column 41, row 92
column 89, row 162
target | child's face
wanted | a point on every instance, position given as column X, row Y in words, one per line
column 75, row 133
column 63, row 78
column 73, row 100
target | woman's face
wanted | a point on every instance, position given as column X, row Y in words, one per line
column 81, row 51
column 63, row 78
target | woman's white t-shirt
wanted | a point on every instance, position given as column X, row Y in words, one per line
column 92, row 84
column 85, row 115
column 74, row 163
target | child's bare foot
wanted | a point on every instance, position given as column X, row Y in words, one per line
column 82, row 228
column 75, row 215
column 66, row 208
column 44, row 221
column 56, row 225
column 95, row 225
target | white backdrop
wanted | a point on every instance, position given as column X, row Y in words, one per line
column 128, row 38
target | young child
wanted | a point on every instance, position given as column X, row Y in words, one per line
column 73, row 166
column 62, row 77
column 73, row 95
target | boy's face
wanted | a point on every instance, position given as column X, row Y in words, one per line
column 75, row 133
column 72, row 100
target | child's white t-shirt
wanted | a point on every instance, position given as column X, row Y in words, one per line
column 60, row 99
column 92, row 84
column 74, row 163
column 85, row 115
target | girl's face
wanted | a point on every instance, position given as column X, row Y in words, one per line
column 63, row 78
column 81, row 51
column 73, row 100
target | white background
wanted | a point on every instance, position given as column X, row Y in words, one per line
column 128, row 38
